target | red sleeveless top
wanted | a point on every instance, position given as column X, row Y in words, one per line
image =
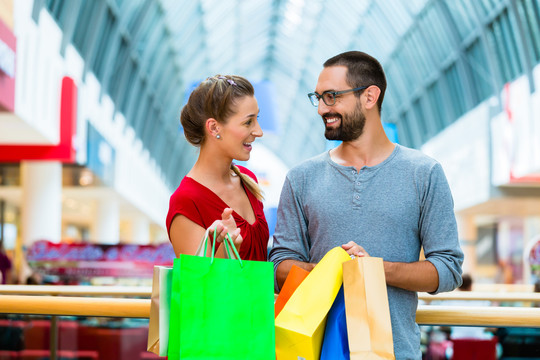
column 202, row 206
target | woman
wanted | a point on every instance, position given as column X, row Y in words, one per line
column 220, row 118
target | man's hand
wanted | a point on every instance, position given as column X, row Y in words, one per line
column 354, row 249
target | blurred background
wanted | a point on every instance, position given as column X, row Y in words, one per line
column 91, row 147
column 91, row 90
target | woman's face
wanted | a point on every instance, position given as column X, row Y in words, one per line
column 241, row 129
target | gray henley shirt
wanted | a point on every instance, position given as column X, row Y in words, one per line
column 392, row 209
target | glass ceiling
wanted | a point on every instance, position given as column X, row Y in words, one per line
column 285, row 42
column 441, row 57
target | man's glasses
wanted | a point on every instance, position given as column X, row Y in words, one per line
column 329, row 97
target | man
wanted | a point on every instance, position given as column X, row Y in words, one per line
column 370, row 196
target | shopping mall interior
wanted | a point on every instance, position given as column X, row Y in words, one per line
column 91, row 147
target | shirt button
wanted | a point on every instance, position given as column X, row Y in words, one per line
column 353, row 172
column 357, row 197
column 359, row 183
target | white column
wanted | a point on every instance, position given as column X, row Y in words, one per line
column 140, row 230
column 106, row 228
column 41, row 210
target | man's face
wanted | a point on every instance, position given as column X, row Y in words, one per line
column 345, row 119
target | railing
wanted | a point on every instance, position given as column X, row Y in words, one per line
column 55, row 306
column 481, row 295
column 140, row 308
column 77, row 290
column 146, row 291
column 74, row 306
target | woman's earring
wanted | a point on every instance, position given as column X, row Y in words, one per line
column 218, row 136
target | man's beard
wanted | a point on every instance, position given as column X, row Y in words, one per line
column 350, row 128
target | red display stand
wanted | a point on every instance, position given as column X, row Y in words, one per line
column 61, row 355
column 37, row 335
column 114, row 344
column 148, row 355
column 475, row 349
column 9, row 355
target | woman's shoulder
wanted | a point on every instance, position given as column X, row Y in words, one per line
column 188, row 190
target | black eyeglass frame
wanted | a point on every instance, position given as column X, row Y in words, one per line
column 314, row 95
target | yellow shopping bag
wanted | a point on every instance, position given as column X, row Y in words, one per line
column 300, row 325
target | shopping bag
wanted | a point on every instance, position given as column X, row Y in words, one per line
column 222, row 308
column 158, row 329
column 366, row 306
column 335, row 344
column 300, row 324
column 294, row 278
column 160, row 305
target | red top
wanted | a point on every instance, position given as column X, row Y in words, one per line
column 202, row 206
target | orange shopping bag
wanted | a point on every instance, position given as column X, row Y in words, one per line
column 300, row 324
column 294, row 278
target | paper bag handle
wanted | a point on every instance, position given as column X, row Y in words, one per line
column 203, row 248
column 229, row 243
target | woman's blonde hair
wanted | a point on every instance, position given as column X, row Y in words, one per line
column 215, row 98
column 249, row 182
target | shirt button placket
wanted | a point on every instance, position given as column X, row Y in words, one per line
column 356, row 197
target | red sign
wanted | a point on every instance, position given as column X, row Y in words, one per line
column 64, row 151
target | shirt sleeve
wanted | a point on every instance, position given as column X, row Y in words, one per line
column 181, row 204
column 438, row 230
column 291, row 240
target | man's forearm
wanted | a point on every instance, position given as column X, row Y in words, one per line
column 416, row 276
column 285, row 266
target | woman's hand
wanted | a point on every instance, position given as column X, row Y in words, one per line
column 354, row 249
column 224, row 226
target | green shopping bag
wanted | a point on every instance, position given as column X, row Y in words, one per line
column 221, row 308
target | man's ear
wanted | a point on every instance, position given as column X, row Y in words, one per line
column 212, row 127
column 372, row 94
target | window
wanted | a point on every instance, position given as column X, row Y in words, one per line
column 421, row 120
column 57, row 8
column 438, row 105
column 118, row 64
column 481, row 81
column 454, row 83
column 463, row 15
column 436, row 30
column 105, row 41
column 394, row 77
column 529, row 16
column 81, row 35
column 406, row 132
column 502, row 38
column 128, row 89
column 487, row 6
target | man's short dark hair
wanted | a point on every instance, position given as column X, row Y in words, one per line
column 362, row 70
